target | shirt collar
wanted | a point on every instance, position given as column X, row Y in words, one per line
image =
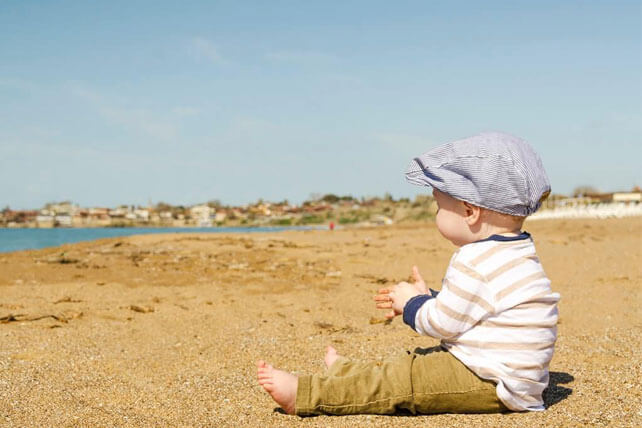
column 500, row 238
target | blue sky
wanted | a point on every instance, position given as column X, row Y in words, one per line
column 131, row 101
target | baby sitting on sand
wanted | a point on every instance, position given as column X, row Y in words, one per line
column 496, row 315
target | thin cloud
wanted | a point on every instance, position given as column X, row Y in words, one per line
column 17, row 83
column 139, row 120
column 301, row 57
column 346, row 79
column 185, row 111
column 204, row 50
column 252, row 129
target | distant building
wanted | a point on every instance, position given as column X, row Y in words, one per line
column 141, row 214
column 65, row 207
column 120, row 212
column 615, row 197
column 44, row 220
column 627, row 197
column 81, row 218
column 98, row 216
column 381, row 220
column 599, row 197
column 201, row 215
column 63, row 220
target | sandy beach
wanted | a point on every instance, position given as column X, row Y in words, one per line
column 164, row 330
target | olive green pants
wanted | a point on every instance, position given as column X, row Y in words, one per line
column 425, row 381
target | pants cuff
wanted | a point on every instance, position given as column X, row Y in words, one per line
column 302, row 402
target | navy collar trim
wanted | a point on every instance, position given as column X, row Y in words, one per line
column 500, row 238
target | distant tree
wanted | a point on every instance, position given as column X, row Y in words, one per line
column 179, row 210
column 330, row 198
column 163, row 206
column 50, row 204
column 422, row 200
column 214, row 203
column 584, row 190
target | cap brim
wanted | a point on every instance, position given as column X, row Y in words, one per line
column 419, row 175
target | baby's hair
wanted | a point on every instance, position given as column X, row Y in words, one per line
column 507, row 219
column 517, row 220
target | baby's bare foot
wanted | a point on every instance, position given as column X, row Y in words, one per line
column 280, row 385
column 330, row 356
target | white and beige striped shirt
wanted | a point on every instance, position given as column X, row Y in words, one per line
column 497, row 314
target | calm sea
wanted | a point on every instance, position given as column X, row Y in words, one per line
column 24, row 239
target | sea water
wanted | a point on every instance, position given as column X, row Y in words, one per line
column 25, row 239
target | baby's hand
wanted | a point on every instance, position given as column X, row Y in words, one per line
column 419, row 284
column 396, row 297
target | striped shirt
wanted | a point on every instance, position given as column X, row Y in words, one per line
column 496, row 313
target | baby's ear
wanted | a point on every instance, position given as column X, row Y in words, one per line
column 472, row 212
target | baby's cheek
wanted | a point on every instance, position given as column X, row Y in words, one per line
column 442, row 224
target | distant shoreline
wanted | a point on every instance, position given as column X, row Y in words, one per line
column 250, row 226
column 20, row 239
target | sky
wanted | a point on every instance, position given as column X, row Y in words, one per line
column 131, row 102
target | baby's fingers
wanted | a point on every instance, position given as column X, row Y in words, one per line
column 384, row 305
column 416, row 275
column 382, row 297
column 420, row 284
column 384, row 300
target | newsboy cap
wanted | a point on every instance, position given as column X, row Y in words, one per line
column 492, row 170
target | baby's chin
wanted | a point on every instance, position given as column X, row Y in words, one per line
column 461, row 243
column 458, row 241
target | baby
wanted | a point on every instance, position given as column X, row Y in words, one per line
column 495, row 315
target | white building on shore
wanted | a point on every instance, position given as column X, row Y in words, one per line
column 202, row 215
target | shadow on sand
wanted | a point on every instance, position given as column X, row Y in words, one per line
column 556, row 393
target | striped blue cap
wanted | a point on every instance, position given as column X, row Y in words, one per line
column 492, row 170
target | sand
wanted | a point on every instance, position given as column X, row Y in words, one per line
column 164, row 330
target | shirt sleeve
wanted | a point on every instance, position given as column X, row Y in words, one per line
column 464, row 300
